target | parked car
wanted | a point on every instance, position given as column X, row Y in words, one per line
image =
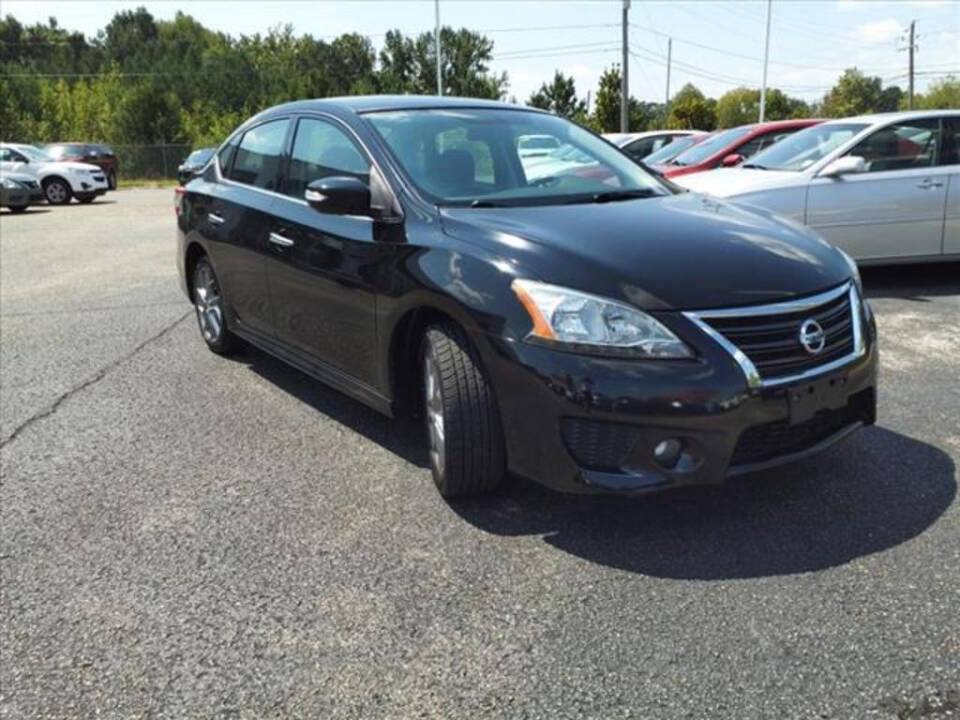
column 640, row 145
column 596, row 336
column 60, row 180
column 727, row 148
column 18, row 192
column 193, row 164
column 530, row 146
column 884, row 188
column 564, row 159
column 670, row 151
column 97, row 154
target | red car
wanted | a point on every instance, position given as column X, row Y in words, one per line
column 93, row 153
column 727, row 148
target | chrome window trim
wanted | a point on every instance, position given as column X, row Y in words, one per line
column 750, row 372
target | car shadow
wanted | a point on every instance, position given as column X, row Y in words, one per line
column 31, row 210
column 874, row 492
column 912, row 282
column 403, row 437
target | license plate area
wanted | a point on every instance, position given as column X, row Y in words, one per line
column 806, row 399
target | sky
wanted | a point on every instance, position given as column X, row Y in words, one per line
column 717, row 44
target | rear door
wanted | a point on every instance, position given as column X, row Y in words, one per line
column 950, row 159
column 896, row 207
column 323, row 267
column 237, row 218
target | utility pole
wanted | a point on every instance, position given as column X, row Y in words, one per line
column 624, row 73
column 666, row 103
column 766, row 57
column 436, row 41
column 912, row 47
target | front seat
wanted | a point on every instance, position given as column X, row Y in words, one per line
column 457, row 172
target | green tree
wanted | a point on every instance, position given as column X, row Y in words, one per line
column 941, row 95
column 559, row 96
column 606, row 108
column 853, row 94
column 742, row 105
column 690, row 109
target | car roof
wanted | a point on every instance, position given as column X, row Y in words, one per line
column 877, row 118
column 374, row 103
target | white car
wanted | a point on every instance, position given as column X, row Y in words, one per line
column 530, row 146
column 885, row 188
column 561, row 160
column 59, row 180
column 639, row 145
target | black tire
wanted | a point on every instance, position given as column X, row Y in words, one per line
column 112, row 180
column 86, row 199
column 222, row 342
column 18, row 208
column 471, row 459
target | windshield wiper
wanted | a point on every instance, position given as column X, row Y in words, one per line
column 754, row 166
column 486, row 204
column 613, row 195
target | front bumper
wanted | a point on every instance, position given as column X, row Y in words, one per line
column 585, row 424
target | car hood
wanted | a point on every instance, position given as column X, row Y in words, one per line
column 682, row 251
column 64, row 165
column 725, row 182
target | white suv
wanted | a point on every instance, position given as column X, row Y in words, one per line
column 60, row 180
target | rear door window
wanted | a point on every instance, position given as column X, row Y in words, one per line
column 257, row 160
column 950, row 142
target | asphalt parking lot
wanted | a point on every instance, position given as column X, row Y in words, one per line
column 183, row 535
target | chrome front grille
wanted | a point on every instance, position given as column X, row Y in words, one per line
column 766, row 339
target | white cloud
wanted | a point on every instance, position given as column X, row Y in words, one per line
column 877, row 31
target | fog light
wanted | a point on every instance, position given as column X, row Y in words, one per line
column 667, row 452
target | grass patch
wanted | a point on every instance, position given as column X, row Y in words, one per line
column 126, row 183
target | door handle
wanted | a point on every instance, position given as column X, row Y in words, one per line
column 278, row 239
column 927, row 184
column 215, row 219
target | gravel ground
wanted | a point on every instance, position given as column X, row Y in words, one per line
column 183, row 535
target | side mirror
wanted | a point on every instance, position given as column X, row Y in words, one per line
column 339, row 195
column 846, row 165
column 732, row 159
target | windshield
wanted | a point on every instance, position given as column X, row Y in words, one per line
column 464, row 156
column 711, row 146
column 34, row 154
column 671, row 150
column 803, row 149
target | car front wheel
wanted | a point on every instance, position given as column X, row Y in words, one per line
column 57, row 191
column 112, row 180
column 208, row 301
column 463, row 423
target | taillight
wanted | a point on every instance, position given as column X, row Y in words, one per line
column 177, row 199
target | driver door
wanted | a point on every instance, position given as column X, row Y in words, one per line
column 895, row 208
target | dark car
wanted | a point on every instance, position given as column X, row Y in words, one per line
column 18, row 192
column 193, row 164
column 596, row 333
column 729, row 148
column 97, row 154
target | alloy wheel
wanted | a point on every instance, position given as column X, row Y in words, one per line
column 433, row 401
column 207, row 296
column 56, row 193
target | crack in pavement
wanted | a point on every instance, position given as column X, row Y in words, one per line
column 97, row 377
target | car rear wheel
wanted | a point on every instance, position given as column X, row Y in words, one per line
column 463, row 424
column 57, row 191
column 208, row 301
column 17, row 208
column 86, row 199
column 112, row 180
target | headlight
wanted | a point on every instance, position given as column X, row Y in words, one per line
column 854, row 271
column 594, row 324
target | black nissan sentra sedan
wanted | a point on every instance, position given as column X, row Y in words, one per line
column 590, row 328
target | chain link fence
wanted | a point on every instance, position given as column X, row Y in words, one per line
column 151, row 162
